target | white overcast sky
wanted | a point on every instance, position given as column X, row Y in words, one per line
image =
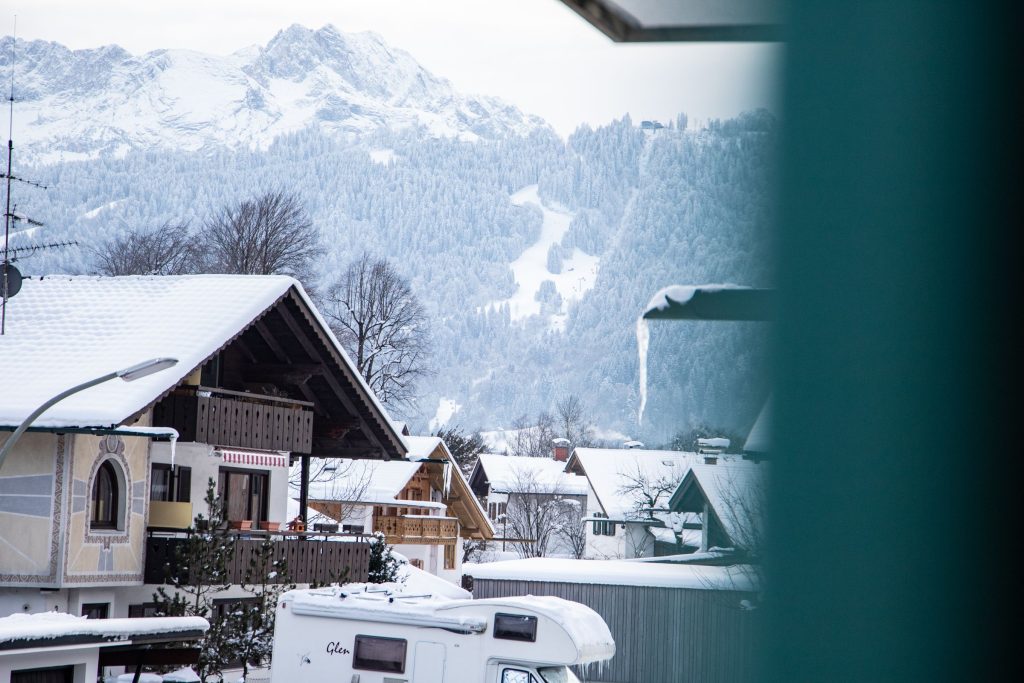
column 537, row 54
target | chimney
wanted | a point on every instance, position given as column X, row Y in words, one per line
column 561, row 449
column 633, row 444
column 710, row 448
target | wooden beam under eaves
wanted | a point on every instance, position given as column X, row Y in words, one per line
column 314, row 353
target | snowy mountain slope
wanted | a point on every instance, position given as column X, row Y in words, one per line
column 574, row 278
column 81, row 104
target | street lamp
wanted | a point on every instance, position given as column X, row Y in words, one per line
column 129, row 374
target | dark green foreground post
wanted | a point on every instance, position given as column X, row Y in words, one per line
column 895, row 377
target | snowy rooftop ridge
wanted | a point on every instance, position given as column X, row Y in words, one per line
column 54, row 625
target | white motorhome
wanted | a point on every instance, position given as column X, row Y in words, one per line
column 336, row 635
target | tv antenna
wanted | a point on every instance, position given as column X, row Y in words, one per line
column 10, row 276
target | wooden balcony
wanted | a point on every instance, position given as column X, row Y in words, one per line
column 308, row 560
column 417, row 529
column 237, row 419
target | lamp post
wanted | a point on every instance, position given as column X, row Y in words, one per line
column 129, row 374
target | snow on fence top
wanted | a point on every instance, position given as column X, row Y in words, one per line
column 56, row 625
column 614, row 573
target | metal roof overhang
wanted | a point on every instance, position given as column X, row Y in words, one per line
column 648, row 21
column 719, row 304
column 98, row 431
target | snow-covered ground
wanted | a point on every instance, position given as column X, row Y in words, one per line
column 446, row 410
column 103, row 207
column 382, row 156
column 497, row 439
column 579, row 270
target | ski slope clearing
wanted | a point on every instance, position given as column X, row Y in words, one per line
column 577, row 276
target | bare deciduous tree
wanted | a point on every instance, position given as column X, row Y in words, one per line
column 532, row 439
column 648, row 492
column 168, row 250
column 573, row 530
column 383, row 327
column 268, row 234
column 536, row 513
column 572, row 422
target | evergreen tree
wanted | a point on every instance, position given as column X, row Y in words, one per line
column 465, row 448
column 250, row 623
column 199, row 571
column 383, row 563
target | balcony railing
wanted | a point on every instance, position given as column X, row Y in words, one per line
column 238, row 419
column 308, row 560
column 417, row 529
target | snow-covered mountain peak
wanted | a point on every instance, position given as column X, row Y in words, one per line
column 105, row 101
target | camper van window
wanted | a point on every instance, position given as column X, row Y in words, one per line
column 517, row 676
column 379, row 654
column 515, row 627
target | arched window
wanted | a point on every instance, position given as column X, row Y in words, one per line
column 105, row 497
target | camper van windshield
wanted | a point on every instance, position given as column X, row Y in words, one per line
column 556, row 674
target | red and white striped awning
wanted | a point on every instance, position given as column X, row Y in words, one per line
column 257, row 458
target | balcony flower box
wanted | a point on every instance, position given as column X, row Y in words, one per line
column 270, row 526
column 240, row 524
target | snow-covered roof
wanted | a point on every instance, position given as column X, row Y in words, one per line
column 611, row 471
column 63, row 331
column 667, row 297
column 612, row 572
column 711, row 302
column 183, row 675
column 27, row 630
column 505, row 473
column 365, row 481
column 735, row 491
column 421, row 447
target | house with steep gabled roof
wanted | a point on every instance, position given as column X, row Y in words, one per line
column 627, row 499
column 519, row 492
column 423, row 505
column 94, row 497
column 729, row 499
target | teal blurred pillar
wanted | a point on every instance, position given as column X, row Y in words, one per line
column 896, row 372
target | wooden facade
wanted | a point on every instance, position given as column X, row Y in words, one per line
column 308, row 560
column 417, row 529
column 662, row 635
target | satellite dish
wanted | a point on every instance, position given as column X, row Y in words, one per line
column 13, row 281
